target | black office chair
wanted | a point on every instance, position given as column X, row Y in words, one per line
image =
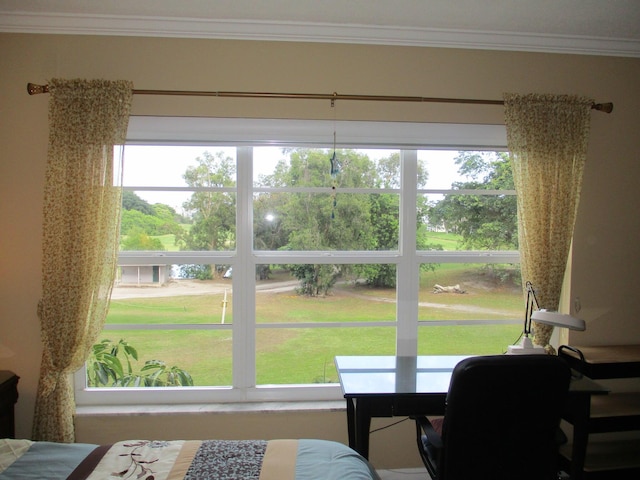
column 501, row 420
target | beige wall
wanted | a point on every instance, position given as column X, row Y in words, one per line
column 606, row 246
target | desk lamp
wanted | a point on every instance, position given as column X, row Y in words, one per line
column 543, row 316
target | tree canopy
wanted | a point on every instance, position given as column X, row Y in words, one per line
column 485, row 222
column 141, row 221
column 212, row 212
column 316, row 214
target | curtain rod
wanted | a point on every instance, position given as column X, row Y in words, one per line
column 34, row 89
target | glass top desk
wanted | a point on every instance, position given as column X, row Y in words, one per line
column 387, row 386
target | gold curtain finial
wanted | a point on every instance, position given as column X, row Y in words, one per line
column 603, row 107
column 34, row 89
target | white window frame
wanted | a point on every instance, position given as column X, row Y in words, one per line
column 246, row 133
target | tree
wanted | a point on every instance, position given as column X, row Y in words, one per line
column 315, row 280
column 325, row 221
column 485, row 222
column 199, row 272
column 131, row 201
column 332, row 220
column 105, row 368
column 137, row 214
column 383, row 215
column 170, row 219
column 269, row 230
column 137, row 239
column 383, row 210
column 212, row 210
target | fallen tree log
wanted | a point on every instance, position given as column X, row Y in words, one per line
column 449, row 289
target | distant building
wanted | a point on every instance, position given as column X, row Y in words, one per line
column 144, row 274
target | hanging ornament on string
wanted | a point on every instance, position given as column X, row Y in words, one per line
column 335, row 166
column 334, row 173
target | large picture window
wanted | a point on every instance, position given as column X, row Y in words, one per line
column 255, row 251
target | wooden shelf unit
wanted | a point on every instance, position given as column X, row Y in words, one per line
column 615, row 412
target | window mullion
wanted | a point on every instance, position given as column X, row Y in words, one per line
column 244, row 280
column 408, row 273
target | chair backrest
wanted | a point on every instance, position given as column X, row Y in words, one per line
column 502, row 417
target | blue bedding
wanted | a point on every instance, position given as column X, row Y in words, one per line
column 45, row 460
column 304, row 459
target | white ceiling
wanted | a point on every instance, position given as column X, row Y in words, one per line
column 600, row 27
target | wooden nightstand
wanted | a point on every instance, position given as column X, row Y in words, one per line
column 8, row 398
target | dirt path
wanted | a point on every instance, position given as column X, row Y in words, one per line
column 446, row 306
column 196, row 287
column 192, row 287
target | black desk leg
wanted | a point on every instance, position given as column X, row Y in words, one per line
column 351, row 423
column 582, row 412
column 362, row 427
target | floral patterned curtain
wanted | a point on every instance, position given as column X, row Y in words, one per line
column 547, row 136
column 82, row 197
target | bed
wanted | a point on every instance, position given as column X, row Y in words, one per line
column 303, row 459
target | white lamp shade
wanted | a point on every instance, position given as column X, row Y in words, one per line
column 558, row 320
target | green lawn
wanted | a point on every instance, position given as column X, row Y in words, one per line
column 168, row 242
column 305, row 355
column 449, row 241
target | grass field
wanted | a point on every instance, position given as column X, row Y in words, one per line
column 305, row 355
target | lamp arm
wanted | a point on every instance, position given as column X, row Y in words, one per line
column 531, row 302
column 533, row 295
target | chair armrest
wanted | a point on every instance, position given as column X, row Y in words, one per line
column 432, row 435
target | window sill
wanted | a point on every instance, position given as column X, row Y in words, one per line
column 218, row 408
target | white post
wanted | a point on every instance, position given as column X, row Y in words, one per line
column 224, row 305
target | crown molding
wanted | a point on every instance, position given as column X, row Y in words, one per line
column 77, row 24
